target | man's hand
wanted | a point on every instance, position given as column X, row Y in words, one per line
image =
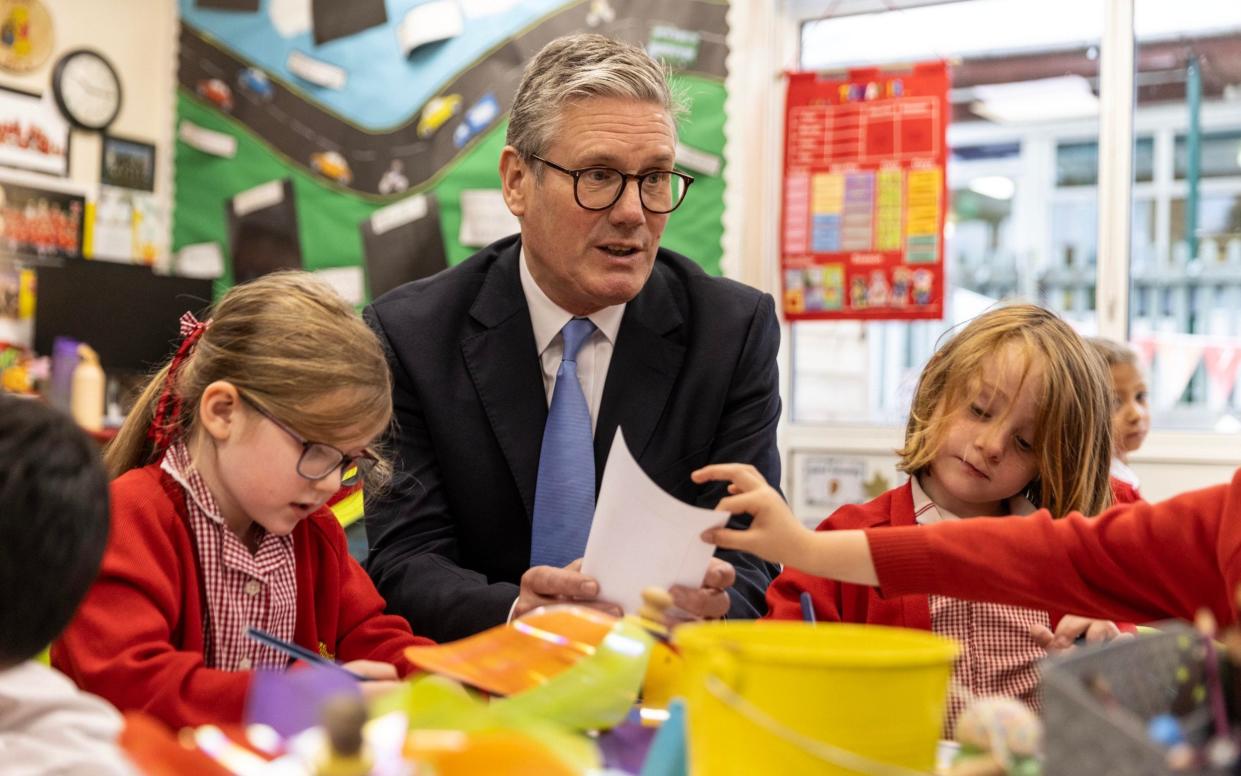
column 546, row 585
column 1070, row 628
column 709, row 602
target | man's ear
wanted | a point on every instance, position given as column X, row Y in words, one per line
column 516, row 178
column 218, row 409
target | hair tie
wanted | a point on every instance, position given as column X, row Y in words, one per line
column 191, row 326
column 168, row 410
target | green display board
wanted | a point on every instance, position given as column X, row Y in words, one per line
column 330, row 203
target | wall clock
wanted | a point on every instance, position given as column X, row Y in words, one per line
column 87, row 89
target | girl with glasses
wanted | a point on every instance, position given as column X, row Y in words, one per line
column 222, row 471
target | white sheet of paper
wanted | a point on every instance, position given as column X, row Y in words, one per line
column 429, row 22
column 290, row 17
column 207, row 140
column 399, row 213
column 316, row 71
column 113, row 233
column 698, row 160
column 642, row 537
column 485, row 218
column 349, row 282
column 259, row 197
column 200, row 260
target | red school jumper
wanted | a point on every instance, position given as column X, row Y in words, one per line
column 842, row 602
column 137, row 639
column 1136, row 562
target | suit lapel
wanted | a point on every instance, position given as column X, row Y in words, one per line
column 645, row 363
column 503, row 364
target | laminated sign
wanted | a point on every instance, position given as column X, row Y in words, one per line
column 865, row 194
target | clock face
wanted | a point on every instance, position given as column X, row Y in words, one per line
column 88, row 89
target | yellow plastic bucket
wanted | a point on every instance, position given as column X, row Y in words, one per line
column 792, row 697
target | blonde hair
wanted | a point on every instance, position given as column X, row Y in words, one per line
column 285, row 340
column 1112, row 352
column 1072, row 432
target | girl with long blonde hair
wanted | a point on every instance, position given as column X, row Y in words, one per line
column 1010, row 415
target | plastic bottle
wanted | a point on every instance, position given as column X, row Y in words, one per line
column 64, row 361
column 86, row 397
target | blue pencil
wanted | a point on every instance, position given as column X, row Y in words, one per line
column 296, row 651
column 807, row 608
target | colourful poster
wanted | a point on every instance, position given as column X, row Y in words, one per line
column 864, row 194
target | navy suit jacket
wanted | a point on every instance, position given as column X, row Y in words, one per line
column 692, row 381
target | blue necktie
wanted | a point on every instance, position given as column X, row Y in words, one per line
column 564, row 497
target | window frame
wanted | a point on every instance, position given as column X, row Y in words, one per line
column 764, row 43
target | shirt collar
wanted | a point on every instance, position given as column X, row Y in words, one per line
column 180, row 467
column 927, row 512
column 549, row 318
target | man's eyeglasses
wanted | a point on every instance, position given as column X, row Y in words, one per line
column 318, row 460
column 599, row 188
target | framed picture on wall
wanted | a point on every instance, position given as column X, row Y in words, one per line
column 127, row 163
column 33, row 134
column 41, row 223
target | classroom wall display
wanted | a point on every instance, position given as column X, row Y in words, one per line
column 262, row 228
column 39, row 223
column 33, row 134
column 399, row 124
column 26, row 35
column 865, row 194
column 403, row 241
column 126, row 225
column 127, row 163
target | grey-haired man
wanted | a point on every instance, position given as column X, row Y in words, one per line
column 683, row 362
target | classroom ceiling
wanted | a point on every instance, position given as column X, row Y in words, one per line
column 1161, row 71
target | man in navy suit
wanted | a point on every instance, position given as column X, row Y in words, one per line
column 683, row 362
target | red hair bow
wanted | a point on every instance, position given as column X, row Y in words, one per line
column 163, row 429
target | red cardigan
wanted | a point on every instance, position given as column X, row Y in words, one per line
column 840, row 602
column 137, row 639
column 1124, row 493
column 1135, row 562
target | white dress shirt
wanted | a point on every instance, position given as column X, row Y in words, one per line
column 593, row 359
column 595, row 356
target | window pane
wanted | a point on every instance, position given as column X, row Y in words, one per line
column 1024, row 81
column 1185, row 300
column 1220, row 156
column 1077, row 164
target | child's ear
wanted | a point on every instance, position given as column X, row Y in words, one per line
column 218, row 409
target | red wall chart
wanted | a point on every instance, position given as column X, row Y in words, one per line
column 865, row 194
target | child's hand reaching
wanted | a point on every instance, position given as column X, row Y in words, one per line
column 381, row 677
column 775, row 534
column 1070, row 628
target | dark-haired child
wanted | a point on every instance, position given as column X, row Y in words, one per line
column 53, row 528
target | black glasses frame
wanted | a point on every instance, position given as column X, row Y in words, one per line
column 620, row 191
column 352, row 467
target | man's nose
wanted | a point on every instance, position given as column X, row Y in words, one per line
column 628, row 209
